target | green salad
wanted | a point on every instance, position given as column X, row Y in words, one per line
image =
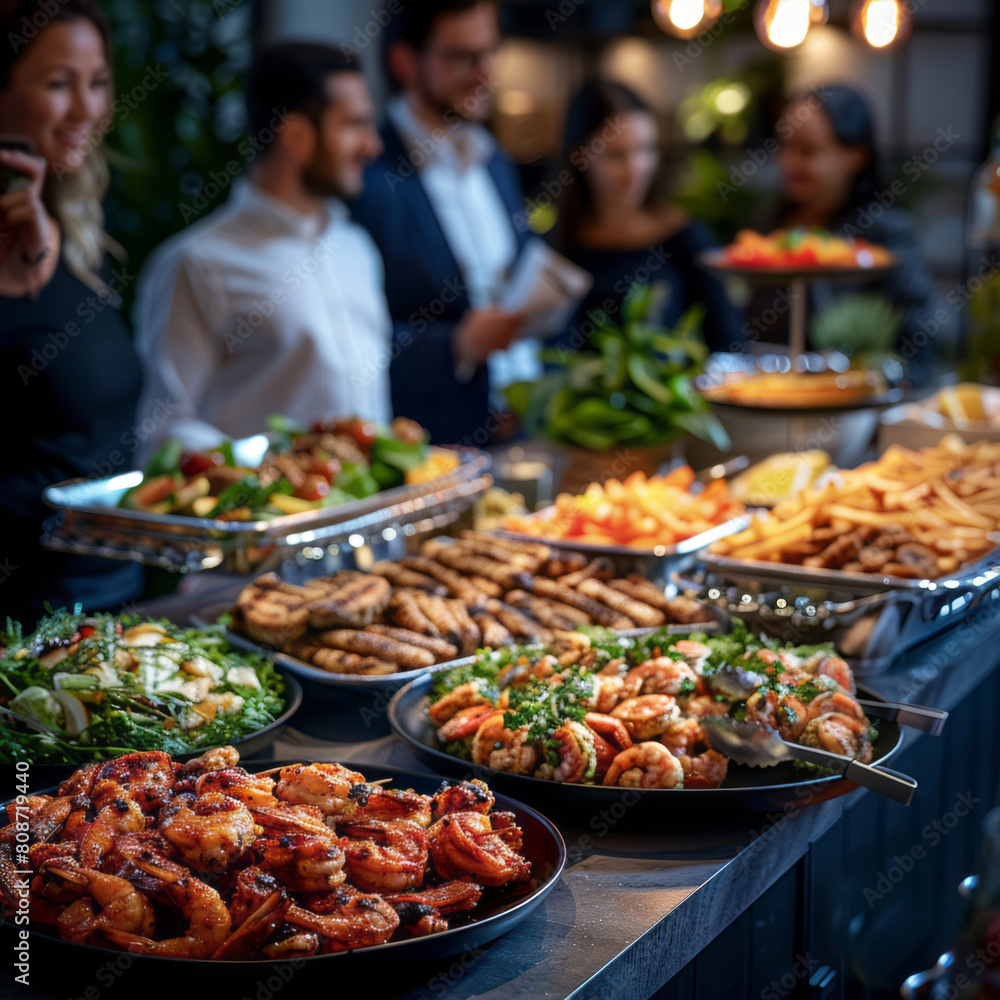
column 103, row 684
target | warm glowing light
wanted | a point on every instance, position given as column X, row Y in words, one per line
column 731, row 100
column 783, row 24
column 819, row 11
column 686, row 14
column 685, row 18
column 880, row 22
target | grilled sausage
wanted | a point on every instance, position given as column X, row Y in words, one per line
column 517, row 623
column 495, row 635
column 373, row 644
column 270, row 616
column 406, row 613
column 537, row 550
column 442, row 650
column 472, row 564
column 438, row 611
column 563, row 563
column 352, row 599
column 491, row 548
column 597, row 611
column 403, row 577
column 550, row 613
column 641, row 589
column 601, row 568
column 641, row 614
column 468, row 630
column 457, row 584
column 339, row 661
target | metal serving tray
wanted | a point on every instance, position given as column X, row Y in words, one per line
column 654, row 564
column 90, row 522
column 871, row 618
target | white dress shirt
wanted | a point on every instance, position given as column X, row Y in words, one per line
column 260, row 310
column 473, row 217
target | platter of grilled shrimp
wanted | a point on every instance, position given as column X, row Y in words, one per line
column 207, row 862
column 434, row 609
column 599, row 716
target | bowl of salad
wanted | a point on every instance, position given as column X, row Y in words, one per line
column 83, row 688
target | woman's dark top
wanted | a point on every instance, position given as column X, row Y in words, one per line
column 70, row 380
column 908, row 287
column 670, row 264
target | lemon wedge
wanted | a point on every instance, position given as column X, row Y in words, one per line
column 962, row 403
column 780, row 476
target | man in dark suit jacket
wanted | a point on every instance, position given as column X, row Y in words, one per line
column 441, row 203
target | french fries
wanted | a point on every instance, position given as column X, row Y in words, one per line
column 924, row 512
column 640, row 512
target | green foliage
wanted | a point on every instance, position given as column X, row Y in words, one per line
column 630, row 384
column 178, row 118
column 857, row 324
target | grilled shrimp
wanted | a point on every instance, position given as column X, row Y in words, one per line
column 464, row 696
column 284, row 818
column 607, row 693
column 466, row 796
column 104, row 903
column 838, row 670
column 648, row 715
column 840, row 734
column 684, row 737
column 246, row 940
column 448, row 897
column 385, row 856
column 304, row 862
column 835, row 703
column 210, row 833
column 253, row 888
column 464, row 723
column 121, row 815
column 251, row 789
column 706, row 770
column 577, row 753
column 325, row 785
column 208, row 919
column 645, row 765
column 465, row 846
column 147, row 778
column 359, row 922
column 662, row 675
column 503, row 749
column 695, row 653
column 389, row 805
column 785, row 713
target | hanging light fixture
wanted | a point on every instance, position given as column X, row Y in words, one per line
column 881, row 23
column 783, row 24
column 686, row 18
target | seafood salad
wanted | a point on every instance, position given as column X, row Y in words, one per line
column 206, row 860
column 88, row 687
column 595, row 708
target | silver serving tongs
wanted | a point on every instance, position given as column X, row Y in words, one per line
column 759, row 746
column 738, row 684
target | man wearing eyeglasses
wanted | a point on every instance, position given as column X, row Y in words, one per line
column 440, row 203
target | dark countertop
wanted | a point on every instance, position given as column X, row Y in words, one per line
column 637, row 903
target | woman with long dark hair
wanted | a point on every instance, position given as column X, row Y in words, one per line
column 831, row 179
column 614, row 220
column 68, row 373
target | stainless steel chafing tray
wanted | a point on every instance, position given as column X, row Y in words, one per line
column 871, row 618
column 90, row 522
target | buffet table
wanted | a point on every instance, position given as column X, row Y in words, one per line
column 643, row 906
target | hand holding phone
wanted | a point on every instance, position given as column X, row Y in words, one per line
column 28, row 237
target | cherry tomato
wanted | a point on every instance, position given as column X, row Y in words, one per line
column 314, row 488
column 361, row 430
column 194, row 463
column 328, row 468
column 87, row 631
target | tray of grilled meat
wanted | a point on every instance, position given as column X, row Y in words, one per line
column 438, row 606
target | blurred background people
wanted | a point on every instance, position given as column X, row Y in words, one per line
column 831, row 180
column 69, row 377
column 614, row 220
column 274, row 303
column 440, row 203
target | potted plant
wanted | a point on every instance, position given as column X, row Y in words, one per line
column 619, row 403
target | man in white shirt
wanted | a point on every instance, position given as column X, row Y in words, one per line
column 441, row 203
column 275, row 302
